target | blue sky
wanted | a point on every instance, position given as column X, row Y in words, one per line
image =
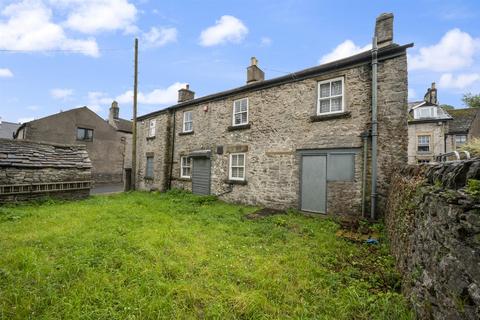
column 60, row 54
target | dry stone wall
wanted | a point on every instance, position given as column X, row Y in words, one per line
column 433, row 222
column 31, row 170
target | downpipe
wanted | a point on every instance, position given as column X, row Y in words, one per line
column 374, row 128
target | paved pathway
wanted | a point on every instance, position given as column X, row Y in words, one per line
column 107, row 188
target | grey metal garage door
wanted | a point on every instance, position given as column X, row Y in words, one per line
column 314, row 183
column 201, row 176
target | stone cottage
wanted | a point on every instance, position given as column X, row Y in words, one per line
column 433, row 131
column 108, row 142
column 296, row 141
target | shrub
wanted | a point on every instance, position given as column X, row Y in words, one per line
column 473, row 146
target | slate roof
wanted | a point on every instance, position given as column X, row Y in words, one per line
column 7, row 129
column 24, row 153
column 123, row 125
column 358, row 59
column 462, row 119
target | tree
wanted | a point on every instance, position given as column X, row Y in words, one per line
column 447, row 106
column 471, row 100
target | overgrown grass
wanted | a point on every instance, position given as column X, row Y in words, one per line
column 176, row 255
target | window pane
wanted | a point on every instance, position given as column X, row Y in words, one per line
column 238, row 118
column 235, row 172
column 336, row 88
column 244, row 117
column 324, row 106
column 325, row 90
column 240, row 172
column 244, row 104
column 240, row 160
column 80, row 134
column 237, row 106
column 234, row 160
column 336, row 104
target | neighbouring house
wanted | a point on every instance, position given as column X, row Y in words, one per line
column 33, row 170
column 8, row 129
column 296, row 141
column 433, row 131
column 108, row 142
column 464, row 126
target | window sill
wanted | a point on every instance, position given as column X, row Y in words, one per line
column 239, row 182
column 185, row 133
column 148, row 178
column 150, row 138
column 331, row 116
column 184, row 179
column 239, row 127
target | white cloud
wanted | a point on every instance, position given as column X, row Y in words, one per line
column 227, row 29
column 93, row 16
column 455, row 50
column 412, row 94
column 265, row 42
column 158, row 37
column 5, row 73
column 96, row 99
column 26, row 119
column 61, row 94
column 461, row 82
column 28, row 26
column 160, row 96
column 343, row 50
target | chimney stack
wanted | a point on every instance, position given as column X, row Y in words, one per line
column 114, row 113
column 185, row 94
column 384, row 29
column 431, row 95
column 254, row 73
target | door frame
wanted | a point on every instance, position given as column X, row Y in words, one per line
column 320, row 152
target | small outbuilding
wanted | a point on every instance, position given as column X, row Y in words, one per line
column 32, row 170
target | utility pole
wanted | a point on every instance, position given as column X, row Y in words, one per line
column 134, row 129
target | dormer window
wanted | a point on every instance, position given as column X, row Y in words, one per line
column 425, row 112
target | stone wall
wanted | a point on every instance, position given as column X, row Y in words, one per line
column 28, row 169
column 433, row 222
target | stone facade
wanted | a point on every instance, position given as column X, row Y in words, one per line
column 437, row 132
column 433, row 222
column 281, row 122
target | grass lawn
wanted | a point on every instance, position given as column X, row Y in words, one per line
column 176, row 255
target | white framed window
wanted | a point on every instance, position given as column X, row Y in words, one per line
column 187, row 121
column 237, row 166
column 240, row 112
column 149, row 167
column 425, row 112
column 460, row 140
column 330, row 96
column 423, row 144
column 151, row 128
column 185, row 167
